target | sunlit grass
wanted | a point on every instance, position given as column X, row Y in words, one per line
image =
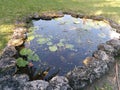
column 5, row 35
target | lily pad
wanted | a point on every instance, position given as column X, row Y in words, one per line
column 53, row 48
column 60, row 44
column 26, row 51
column 102, row 35
column 21, row 62
column 42, row 40
column 69, row 46
column 49, row 43
column 30, row 38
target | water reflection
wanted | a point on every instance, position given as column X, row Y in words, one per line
column 62, row 43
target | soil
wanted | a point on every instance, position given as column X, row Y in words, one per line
column 110, row 81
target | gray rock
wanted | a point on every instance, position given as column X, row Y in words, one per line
column 101, row 55
column 79, row 77
column 59, row 83
column 9, row 52
column 7, row 62
column 36, row 85
column 9, row 83
column 115, row 43
column 107, row 48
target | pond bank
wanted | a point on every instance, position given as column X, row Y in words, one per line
column 95, row 66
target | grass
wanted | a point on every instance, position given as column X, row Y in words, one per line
column 12, row 10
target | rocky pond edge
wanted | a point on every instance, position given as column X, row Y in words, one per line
column 94, row 67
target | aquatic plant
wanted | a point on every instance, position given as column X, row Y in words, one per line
column 29, row 55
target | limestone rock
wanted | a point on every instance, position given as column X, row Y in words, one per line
column 107, row 48
column 7, row 62
column 15, row 42
column 36, row 85
column 59, row 83
column 9, row 52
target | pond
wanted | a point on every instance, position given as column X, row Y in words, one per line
column 63, row 43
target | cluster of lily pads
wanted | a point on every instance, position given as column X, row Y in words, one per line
column 42, row 40
column 27, row 55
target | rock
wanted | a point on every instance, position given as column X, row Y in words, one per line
column 107, row 48
column 15, row 42
column 88, row 60
column 9, row 52
column 100, row 68
column 79, row 77
column 21, row 78
column 36, row 85
column 115, row 43
column 21, row 30
column 59, row 83
column 19, row 36
column 9, row 83
column 101, row 55
column 7, row 62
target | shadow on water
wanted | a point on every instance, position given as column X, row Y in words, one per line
column 62, row 43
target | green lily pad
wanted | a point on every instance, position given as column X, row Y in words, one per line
column 30, row 38
column 26, row 51
column 69, row 46
column 49, row 43
column 42, row 40
column 62, row 40
column 60, row 44
column 21, row 62
column 33, row 57
column 53, row 48
column 102, row 35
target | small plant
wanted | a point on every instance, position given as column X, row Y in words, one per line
column 27, row 56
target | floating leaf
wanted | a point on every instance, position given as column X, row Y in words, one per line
column 30, row 38
column 26, row 51
column 62, row 40
column 102, row 35
column 36, row 57
column 53, row 48
column 21, row 62
column 49, row 43
column 60, row 44
column 42, row 40
column 76, row 22
column 69, row 46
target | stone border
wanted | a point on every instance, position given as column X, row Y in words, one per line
column 78, row 78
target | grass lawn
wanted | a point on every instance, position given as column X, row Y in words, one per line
column 11, row 10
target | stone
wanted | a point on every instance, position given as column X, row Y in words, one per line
column 88, row 60
column 36, row 85
column 8, row 82
column 7, row 62
column 19, row 36
column 21, row 30
column 9, row 51
column 15, row 42
column 59, row 83
column 101, row 55
column 115, row 43
column 79, row 77
column 107, row 48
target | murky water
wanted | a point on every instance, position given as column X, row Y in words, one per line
column 62, row 43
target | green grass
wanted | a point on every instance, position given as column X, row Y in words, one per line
column 12, row 10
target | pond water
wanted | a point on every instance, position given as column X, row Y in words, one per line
column 62, row 43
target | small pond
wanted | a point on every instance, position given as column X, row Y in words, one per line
column 63, row 43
